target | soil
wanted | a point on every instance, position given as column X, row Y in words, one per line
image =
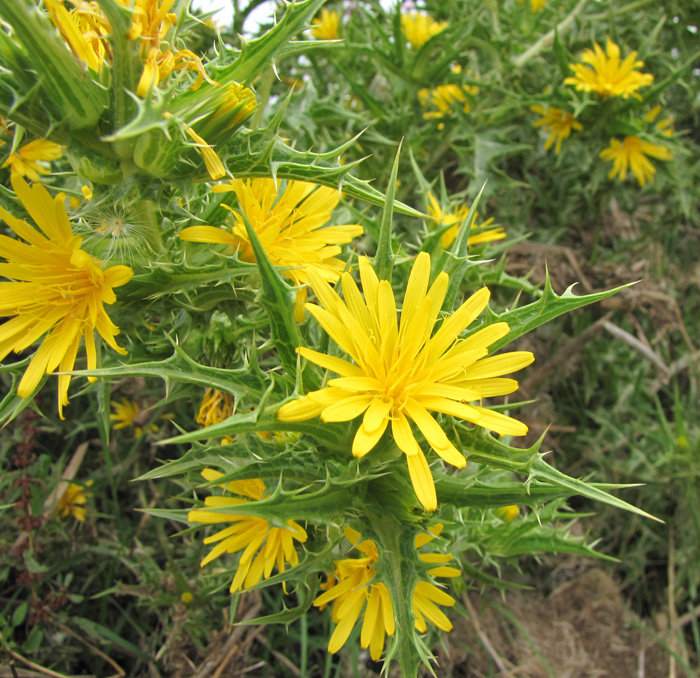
column 582, row 629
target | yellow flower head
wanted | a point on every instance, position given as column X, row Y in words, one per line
column 350, row 589
column 129, row 413
column 426, row 595
column 86, row 30
column 632, row 153
column 558, row 123
column 289, row 221
column 483, row 232
column 326, row 26
column 664, row 126
column 509, row 513
column 73, row 500
column 216, row 406
column 443, row 98
column 536, row 5
column 57, row 288
column 401, row 371
column 419, row 28
column 250, row 534
column 26, row 162
column 235, row 105
column 606, row 76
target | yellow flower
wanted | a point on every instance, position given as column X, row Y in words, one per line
column 607, row 76
column 26, row 161
column 59, row 289
column 250, row 534
column 632, row 153
column 442, row 98
column 216, row 406
column 419, row 28
column 86, row 30
column 351, row 591
column 426, row 595
column 536, row 5
column 401, row 371
column 664, row 127
column 457, row 218
column 557, row 122
column 289, row 221
column 234, row 105
column 73, row 500
column 326, row 26
column 129, row 413
column 509, row 513
column 350, row 587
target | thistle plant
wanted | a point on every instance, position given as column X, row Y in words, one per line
column 338, row 356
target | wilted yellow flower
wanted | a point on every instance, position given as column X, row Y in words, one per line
column 59, row 289
column 403, row 370
column 349, row 589
column 606, row 75
column 426, row 595
column 250, row 534
column 632, row 153
column 129, row 413
column 26, row 162
column 289, row 221
column 558, row 123
column 482, row 235
column 326, row 26
column 73, row 500
column 419, row 28
column 443, row 98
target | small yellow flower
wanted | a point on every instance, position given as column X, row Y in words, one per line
column 443, row 98
column 632, row 153
column 216, row 406
column 419, row 28
column 58, row 288
column 558, row 123
column 26, row 162
column 290, row 223
column 129, row 413
column 349, row 589
column 250, row 534
column 234, row 105
column 665, row 126
column 73, row 501
column 401, row 371
column 426, row 595
column 326, row 26
column 606, row 75
column 536, row 5
column 187, row 597
column 482, row 235
column 509, row 513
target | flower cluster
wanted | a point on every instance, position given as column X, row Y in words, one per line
column 607, row 76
